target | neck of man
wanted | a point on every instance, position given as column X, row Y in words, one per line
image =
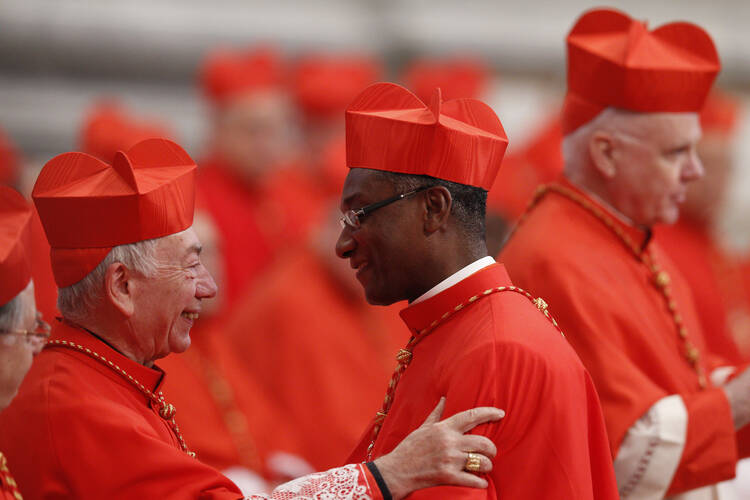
column 114, row 340
column 601, row 193
column 445, row 261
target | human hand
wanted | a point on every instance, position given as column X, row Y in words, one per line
column 436, row 452
column 738, row 394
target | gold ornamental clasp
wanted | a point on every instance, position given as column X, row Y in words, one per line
column 167, row 411
column 540, row 304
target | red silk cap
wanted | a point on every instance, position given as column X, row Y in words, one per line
column 88, row 206
column 15, row 244
column 324, row 86
column 616, row 61
column 228, row 73
column 720, row 113
column 109, row 128
column 457, row 78
column 389, row 128
column 8, row 160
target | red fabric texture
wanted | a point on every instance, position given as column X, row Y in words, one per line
column 15, row 243
column 720, row 285
column 389, row 128
column 227, row 417
column 88, row 206
column 109, row 128
column 457, row 78
column 319, row 349
column 45, row 288
column 502, row 351
column 82, row 411
column 614, row 60
column 618, row 322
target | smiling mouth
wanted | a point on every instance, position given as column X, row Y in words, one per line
column 190, row 315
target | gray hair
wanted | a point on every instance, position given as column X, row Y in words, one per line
column 77, row 300
column 11, row 312
column 575, row 145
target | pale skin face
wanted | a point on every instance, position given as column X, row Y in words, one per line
column 16, row 351
column 645, row 164
column 152, row 315
column 253, row 132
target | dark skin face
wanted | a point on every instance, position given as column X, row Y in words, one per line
column 405, row 248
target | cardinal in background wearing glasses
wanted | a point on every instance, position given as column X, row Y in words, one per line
column 413, row 229
column 22, row 331
column 631, row 127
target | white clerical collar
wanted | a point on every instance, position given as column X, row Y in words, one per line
column 455, row 278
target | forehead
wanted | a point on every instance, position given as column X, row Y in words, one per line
column 179, row 245
column 363, row 183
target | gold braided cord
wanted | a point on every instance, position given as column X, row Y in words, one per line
column 660, row 279
column 405, row 355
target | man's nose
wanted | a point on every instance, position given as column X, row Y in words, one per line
column 345, row 244
column 206, row 288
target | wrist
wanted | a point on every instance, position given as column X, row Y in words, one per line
column 390, row 476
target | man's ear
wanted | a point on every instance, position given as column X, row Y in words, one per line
column 601, row 151
column 118, row 288
column 438, row 202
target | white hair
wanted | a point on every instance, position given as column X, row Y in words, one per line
column 575, row 145
column 76, row 301
column 11, row 313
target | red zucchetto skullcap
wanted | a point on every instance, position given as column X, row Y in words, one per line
column 324, row 85
column 15, row 243
column 720, row 113
column 8, row 160
column 108, row 128
column 228, row 73
column 88, row 206
column 457, row 78
column 389, row 128
column 615, row 61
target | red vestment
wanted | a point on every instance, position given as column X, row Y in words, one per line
column 319, row 349
column 719, row 285
column 605, row 300
column 78, row 429
column 255, row 222
column 8, row 485
column 500, row 350
column 225, row 415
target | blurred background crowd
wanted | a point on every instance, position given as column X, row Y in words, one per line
column 256, row 91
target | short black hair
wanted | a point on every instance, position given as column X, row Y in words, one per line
column 469, row 205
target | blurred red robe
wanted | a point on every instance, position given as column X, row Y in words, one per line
column 502, row 351
column 319, row 349
column 617, row 321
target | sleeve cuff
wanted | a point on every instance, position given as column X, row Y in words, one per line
column 379, row 481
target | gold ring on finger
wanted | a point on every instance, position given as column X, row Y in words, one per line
column 473, row 462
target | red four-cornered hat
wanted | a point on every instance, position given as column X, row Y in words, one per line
column 389, row 128
column 15, row 241
column 616, row 61
column 228, row 73
column 88, row 206
column 323, row 85
column 108, row 128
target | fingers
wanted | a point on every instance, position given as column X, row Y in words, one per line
column 435, row 415
column 468, row 419
column 478, row 444
column 467, row 479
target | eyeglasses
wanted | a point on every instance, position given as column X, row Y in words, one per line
column 38, row 335
column 353, row 218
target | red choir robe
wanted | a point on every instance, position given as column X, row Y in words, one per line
column 719, row 285
column 78, row 429
column 618, row 322
column 319, row 349
column 501, row 351
column 8, row 484
column 227, row 418
column 45, row 288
